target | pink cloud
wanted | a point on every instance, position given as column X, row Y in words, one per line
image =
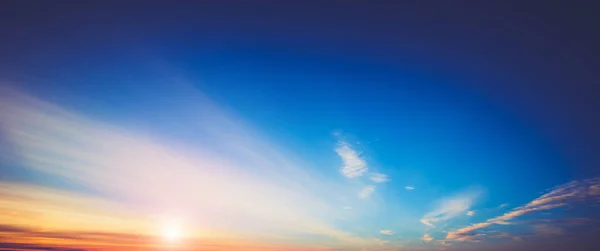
column 570, row 193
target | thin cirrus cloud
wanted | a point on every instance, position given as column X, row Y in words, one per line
column 366, row 192
column 409, row 188
column 160, row 179
column 353, row 164
column 450, row 207
column 471, row 213
column 561, row 196
column 547, row 230
column 379, row 178
column 381, row 242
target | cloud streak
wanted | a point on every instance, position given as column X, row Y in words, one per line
column 561, row 196
column 379, row 178
column 451, row 207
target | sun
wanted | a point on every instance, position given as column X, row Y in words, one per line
column 171, row 232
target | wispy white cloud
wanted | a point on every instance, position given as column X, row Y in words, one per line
column 451, row 207
column 564, row 195
column 379, row 177
column 471, row 213
column 426, row 238
column 366, row 192
column 353, row 164
column 381, row 242
column 386, row 232
column 409, row 188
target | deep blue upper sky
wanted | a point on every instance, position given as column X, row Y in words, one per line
column 440, row 94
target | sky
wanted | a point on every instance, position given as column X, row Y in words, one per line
column 288, row 125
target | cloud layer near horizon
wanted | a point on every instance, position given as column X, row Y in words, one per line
column 572, row 193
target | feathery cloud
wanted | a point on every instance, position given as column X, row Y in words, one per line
column 354, row 165
column 546, row 230
column 451, row 207
column 409, row 188
column 366, row 192
column 379, row 177
column 471, row 213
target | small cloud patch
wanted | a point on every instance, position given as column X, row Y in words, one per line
column 366, row 192
column 354, row 165
column 426, row 238
column 387, row 232
column 379, row 178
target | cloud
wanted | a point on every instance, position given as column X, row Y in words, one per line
column 379, row 177
column 354, row 165
column 381, row 242
column 564, row 195
column 49, row 208
column 471, row 213
column 229, row 174
column 470, row 238
column 98, row 238
column 409, row 188
column 366, row 192
column 35, row 247
column 560, row 222
column 442, row 242
column 458, row 235
column 426, row 238
column 545, row 230
column 386, row 232
column 594, row 190
column 451, row 207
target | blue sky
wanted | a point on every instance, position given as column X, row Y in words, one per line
column 406, row 169
column 241, row 128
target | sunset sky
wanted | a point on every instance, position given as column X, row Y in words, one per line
column 209, row 125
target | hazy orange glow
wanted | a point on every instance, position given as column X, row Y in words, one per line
column 55, row 218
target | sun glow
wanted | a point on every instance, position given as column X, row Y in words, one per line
column 172, row 232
